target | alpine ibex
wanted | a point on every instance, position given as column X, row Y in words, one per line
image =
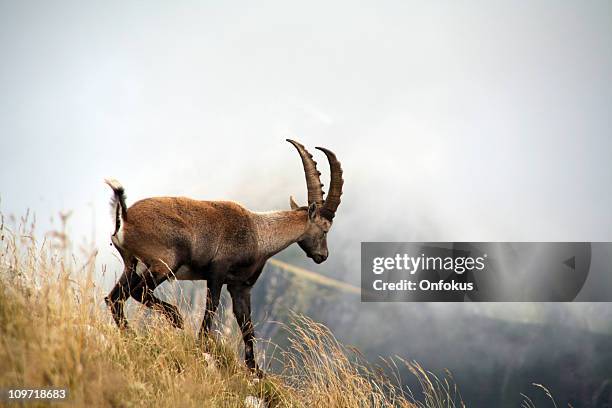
column 217, row 241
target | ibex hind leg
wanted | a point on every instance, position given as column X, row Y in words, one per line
column 121, row 292
column 143, row 292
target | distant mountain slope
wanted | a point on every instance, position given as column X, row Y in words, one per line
column 492, row 359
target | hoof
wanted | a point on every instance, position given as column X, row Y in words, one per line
column 257, row 372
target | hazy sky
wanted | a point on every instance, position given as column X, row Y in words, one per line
column 453, row 120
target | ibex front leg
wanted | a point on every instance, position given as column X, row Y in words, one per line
column 241, row 305
column 213, row 295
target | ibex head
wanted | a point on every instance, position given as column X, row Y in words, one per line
column 320, row 212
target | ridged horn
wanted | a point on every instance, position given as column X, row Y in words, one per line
column 313, row 182
column 335, row 187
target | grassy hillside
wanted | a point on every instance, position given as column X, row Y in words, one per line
column 56, row 332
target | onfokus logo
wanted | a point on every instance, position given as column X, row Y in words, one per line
column 415, row 264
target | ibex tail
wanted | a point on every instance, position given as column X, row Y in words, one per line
column 118, row 207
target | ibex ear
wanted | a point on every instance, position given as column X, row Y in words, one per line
column 293, row 204
column 312, row 211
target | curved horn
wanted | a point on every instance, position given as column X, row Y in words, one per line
column 335, row 187
column 313, row 183
column 293, row 204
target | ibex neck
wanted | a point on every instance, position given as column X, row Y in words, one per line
column 277, row 230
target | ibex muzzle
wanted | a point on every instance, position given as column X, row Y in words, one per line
column 217, row 241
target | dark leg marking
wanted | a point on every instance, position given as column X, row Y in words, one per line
column 121, row 292
column 241, row 305
column 143, row 293
column 213, row 295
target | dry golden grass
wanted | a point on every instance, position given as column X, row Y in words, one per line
column 56, row 332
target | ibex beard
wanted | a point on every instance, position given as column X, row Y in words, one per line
column 218, row 241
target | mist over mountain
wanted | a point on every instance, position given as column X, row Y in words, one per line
column 487, row 121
